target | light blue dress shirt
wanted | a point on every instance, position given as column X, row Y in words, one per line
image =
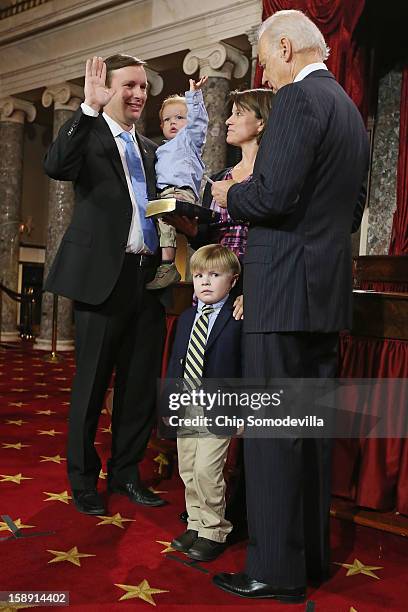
column 179, row 162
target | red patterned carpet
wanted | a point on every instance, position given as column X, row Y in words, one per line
column 123, row 561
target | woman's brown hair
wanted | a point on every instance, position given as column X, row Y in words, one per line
column 257, row 100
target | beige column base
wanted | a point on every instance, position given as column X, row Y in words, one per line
column 12, row 336
column 41, row 344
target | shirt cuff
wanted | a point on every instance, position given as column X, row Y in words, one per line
column 194, row 97
column 88, row 110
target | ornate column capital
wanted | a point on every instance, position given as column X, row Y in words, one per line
column 252, row 35
column 155, row 81
column 65, row 96
column 16, row 110
column 216, row 60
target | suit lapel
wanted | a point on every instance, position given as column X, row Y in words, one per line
column 186, row 331
column 146, row 150
column 219, row 324
column 148, row 158
column 105, row 136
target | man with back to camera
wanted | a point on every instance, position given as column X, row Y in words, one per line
column 107, row 255
column 301, row 205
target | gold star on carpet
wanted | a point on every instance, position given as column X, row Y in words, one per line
column 19, row 422
column 162, row 460
column 47, row 412
column 107, row 429
column 55, row 459
column 107, row 410
column 359, row 568
column 168, row 546
column 103, row 475
column 18, row 524
column 62, row 497
column 41, row 396
column 19, row 404
column 17, row 478
column 18, row 390
column 40, row 384
column 38, row 373
column 352, row 609
column 48, row 432
column 116, row 520
column 17, row 446
column 141, row 591
column 60, row 378
column 72, row 555
column 65, row 389
column 58, row 370
column 18, row 378
column 18, row 369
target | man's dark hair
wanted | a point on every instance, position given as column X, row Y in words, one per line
column 120, row 60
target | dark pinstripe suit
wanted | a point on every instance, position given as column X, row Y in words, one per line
column 301, row 203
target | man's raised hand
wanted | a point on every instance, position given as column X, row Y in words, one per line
column 97, row 95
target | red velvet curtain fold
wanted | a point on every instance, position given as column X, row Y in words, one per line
column 399, row 234
column 372, row 472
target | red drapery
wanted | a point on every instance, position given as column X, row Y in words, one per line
column 399, row 234
column 337, row 20
column 372, row 472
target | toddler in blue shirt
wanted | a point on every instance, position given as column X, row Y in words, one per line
column 179, row 167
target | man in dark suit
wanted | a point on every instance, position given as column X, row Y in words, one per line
column 301, row 204
column 106, row 257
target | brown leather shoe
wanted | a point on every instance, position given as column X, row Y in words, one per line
column 204, row 549
column 185, row 541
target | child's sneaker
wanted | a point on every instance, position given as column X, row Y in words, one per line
column 167, row 274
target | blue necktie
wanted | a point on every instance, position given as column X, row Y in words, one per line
column 138, row 180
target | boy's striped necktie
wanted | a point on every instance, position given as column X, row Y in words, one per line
column 194, row 365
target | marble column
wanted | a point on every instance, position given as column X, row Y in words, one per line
column 13, row 114
column 219, row 62
column 252, row 35
column 155, row 87
column 66, row 98
column 383, row 192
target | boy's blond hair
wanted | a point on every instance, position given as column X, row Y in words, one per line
column 215, row 257
column 170, row 100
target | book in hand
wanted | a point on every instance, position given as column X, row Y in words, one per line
column 165, row 206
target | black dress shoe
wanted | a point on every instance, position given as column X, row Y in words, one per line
column 88, row 501
column 185, row 541
column 136, row 493
column 245, row 586
column 183, row 516
column 206, row 550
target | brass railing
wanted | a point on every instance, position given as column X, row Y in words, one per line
column 20, row 7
